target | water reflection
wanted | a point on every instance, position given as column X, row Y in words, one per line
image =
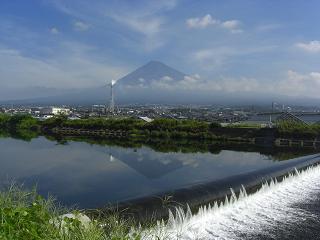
column 92, row 175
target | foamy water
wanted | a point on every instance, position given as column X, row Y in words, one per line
column 272, row 207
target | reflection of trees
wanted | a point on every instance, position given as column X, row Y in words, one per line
column 23, row 127
column 159, row 145
column 25, row 135
column 4, row 134
column 22, row 134
column 287, row 154
column 191, row 146
column 167, row 145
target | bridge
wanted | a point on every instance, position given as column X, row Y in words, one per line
column 286, row 116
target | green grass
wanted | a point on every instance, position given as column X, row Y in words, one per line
column 244, row 125
column 291, row 128
column 26, row 215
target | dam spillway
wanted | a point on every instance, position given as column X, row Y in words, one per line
column 278, row 210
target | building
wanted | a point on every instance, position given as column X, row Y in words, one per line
column 146, row 119
column 55, row 111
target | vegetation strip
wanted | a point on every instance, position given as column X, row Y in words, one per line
column 26, row 215
column 157, row 129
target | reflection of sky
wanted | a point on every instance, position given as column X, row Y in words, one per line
column 82, row 173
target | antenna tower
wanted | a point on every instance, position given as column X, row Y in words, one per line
column 112, row 104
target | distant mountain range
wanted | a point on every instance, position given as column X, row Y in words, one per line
column 152, row 71
column 155, row 83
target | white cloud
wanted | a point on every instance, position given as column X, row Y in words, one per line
column 149, row 26
column 54, row 30
column 156, row 6
column 298, row 84
column 71, row 66
column 166, row 82
column 213, row 58
column 166, row 79
column 232, row 25
column 315, row 76
column 312, row 47
column 216, row 57
column 146, row 18
column 80, row 26
column 293, row 84
column 206, row 21
column 146, row 25
column 195, row 82
column 241, row 84
column 203, row 22
column 269, row 27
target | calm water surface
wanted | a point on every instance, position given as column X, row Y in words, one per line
column 92, row 175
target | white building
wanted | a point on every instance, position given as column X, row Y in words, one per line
column 55, row 111
column 146, row 119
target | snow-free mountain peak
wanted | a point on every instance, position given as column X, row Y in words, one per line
column 152, row 71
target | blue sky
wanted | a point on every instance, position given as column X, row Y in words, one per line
column 254, row 46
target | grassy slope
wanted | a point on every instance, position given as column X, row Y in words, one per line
column 26, row 215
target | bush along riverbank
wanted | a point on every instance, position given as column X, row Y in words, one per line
column 26, row 215
column 129, row 128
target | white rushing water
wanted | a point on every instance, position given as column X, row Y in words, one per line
column 259, row 213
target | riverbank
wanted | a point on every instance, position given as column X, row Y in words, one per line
column 27, row 215
column 284, row 134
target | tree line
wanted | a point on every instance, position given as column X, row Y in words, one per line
column 159, row 128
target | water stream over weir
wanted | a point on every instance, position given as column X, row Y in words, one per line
column 154, row 207
column 286, row 210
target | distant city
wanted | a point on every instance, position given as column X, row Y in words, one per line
column 222, row 114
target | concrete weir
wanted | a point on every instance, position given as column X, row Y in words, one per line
column 277, row 210
column 209, row 192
